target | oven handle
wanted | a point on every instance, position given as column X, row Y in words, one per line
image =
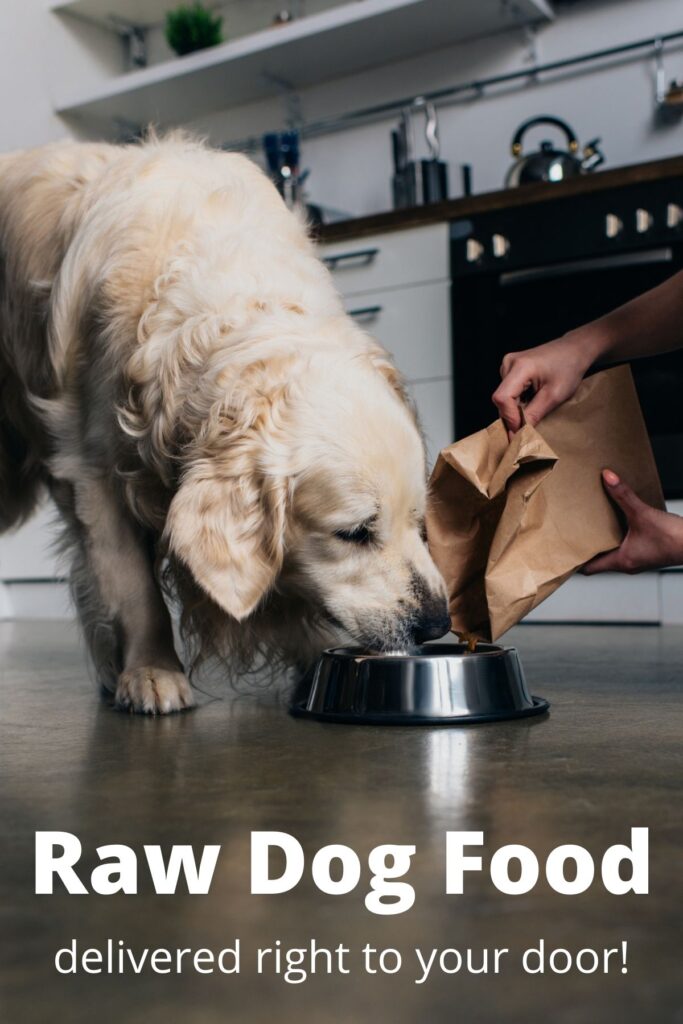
column 611, row 262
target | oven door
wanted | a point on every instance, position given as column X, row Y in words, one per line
column 495, row 313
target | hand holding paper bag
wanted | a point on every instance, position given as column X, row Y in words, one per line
column 510, row 521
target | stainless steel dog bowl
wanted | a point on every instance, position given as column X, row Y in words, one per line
column 432, row 684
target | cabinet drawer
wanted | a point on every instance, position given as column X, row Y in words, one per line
column 434, row 402
column 390, row 260
column 605, row 598
column 413, row 324
column 29, row 553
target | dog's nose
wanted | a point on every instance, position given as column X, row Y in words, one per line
column 432, row 627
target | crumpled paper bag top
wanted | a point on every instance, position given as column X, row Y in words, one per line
column 510, row 521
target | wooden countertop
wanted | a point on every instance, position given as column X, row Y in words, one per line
column 452, row 209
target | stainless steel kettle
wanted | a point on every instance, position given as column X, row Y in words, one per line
column 549, row 163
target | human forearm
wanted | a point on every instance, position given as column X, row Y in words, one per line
column 648, row 325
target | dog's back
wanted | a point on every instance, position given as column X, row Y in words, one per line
column 41, row 195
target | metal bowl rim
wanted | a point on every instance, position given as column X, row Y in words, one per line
column 355, row 654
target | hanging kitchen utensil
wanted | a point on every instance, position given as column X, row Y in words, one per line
column 281, row 150
column 433, row 171
column 404, row 181
column 550, row 163
column 417, row 181
column 668, row 98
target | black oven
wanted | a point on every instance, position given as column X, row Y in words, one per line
column 524, row 275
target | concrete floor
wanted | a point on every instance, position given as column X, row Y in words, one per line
column 607, row 758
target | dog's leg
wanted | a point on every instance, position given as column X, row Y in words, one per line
column 125, row 619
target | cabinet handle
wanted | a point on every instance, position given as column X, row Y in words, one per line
column 362, row 256
column 366, row 313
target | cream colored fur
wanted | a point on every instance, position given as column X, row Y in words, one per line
column 177, row 368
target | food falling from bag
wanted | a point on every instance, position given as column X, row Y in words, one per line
column 510, row 520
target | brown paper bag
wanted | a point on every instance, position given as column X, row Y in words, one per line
column 511, row 521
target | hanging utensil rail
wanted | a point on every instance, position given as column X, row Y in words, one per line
column 476, row 87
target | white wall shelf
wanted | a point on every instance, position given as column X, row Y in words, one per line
column 151, row 13
column 336, row 42
column 137, row 12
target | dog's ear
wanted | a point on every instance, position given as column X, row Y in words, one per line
column 229, row 531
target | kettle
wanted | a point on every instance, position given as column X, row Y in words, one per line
column 549, row 163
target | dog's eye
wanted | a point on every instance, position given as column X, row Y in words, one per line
column 361, row 534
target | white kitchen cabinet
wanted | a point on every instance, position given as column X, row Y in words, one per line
column 397, row 287
column 434, row 402
column 413, row 324
column 33, row 600
column 390, row 260
column 28, row 553
column 610, row 597
column 30, row 587
column 671, row 597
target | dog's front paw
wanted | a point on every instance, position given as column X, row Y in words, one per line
column 153, row 691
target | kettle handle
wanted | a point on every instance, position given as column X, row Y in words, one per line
column 572, row 141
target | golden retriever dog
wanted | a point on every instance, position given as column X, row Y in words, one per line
column 177, row 370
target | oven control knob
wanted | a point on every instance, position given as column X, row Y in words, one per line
column 613, row 225
column 474, row 251
column 500, row 246
column 674, row 215
column 644, row 220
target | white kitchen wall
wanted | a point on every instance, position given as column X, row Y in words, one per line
column 36, row 48
column 26, row 116
column 39, row 48
column 352, row 170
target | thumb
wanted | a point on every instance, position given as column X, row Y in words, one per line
column 605, row 562
column 622, row 494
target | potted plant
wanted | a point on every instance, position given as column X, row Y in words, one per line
column 192, row 27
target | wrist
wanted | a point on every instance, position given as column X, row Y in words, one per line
column 675, row 539
column 591, row 344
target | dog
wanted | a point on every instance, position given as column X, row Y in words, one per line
column 178, row 372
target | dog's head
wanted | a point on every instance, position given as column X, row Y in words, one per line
column 313, row 491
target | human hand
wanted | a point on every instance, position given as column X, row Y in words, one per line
column 654, row 539
column 552, row 371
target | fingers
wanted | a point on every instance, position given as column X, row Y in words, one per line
column 508, row 409
column 518, row 376
column 543, row 402
column 511, row 416
column 623, row 495
column 506, row 397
